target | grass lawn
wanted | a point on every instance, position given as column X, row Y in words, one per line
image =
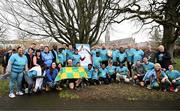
column 177, row 65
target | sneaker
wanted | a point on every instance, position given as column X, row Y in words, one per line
column 19, row 93
column 11, row 95
column 176, row 90
column 149, row 87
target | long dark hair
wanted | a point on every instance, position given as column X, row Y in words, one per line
column 51, row 69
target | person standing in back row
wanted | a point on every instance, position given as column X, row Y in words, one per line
column 163, row 57
column 130, row 57
column 103, row 55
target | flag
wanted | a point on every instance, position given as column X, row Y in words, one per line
column 71, row 73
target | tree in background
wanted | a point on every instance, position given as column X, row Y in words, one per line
column 159, row 13
column 156, row 37
column 67, row 21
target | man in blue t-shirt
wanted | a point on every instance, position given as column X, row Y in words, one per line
column 104, row 55
column 130, row 57
column 111, row 72
column 103, row 74
column 174, row 77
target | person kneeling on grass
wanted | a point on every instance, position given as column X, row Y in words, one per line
column 103, row 75
column 111, row 72
column 157, row 78
column 139, row 72
column 95, row 77
column 89, row 72
column 73, row 83
column 17, row 64
column 174, row 77
column 122, row 73
column 51, row 74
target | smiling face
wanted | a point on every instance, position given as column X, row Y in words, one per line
column 157, row 67
column 20, row 51
column 53, row 65
column 46, row 49
column 170, row 67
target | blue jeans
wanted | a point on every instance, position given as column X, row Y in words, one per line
column 15, row 78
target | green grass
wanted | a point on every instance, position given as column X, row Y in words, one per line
column 177, row 65
column 4, row 87
column 67, row 94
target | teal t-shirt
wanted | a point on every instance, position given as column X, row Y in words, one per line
column 111, row 69
column 18, row 63
column 114, row 55
column 149, row 66
column 60, row 58
column 97, row 61
column 103, row 54
column 89, row 72
column 103, row 72
column 121, row 56
column 138, row 55
column 130, row 54
column 122, row 70
column 76, row 58
column 172, row 74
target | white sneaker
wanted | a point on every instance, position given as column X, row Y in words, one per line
column 176, row 90
column 11, row 95
column 19, row 93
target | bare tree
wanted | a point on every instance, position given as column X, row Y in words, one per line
column 165, row 13
column 67, row 21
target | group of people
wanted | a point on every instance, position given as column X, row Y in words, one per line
column 35, row 69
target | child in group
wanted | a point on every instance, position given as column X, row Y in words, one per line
column 122, row 73
column 174, row 77
column 95, row 77
column 103, row 75
column 111, row 72
column 157, row 78
column 51, row 74
column 139, row 72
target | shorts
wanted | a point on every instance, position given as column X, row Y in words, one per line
column 140, row 78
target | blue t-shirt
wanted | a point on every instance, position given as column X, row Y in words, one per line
column 70, row 54
column 121, row 56
column 103, row 72
column 89, row 72
column 93, row 52
column 64, row 52
column 174, row 74
column 47, row 58
column 97, row 61
column 138, row 55
column 114, row 55
column 103, row 54
column 95, row 75
column 18, row 63
column 60, row 58
column 76, row 58
column 111, row 69
column 122, row 70
column 149, row 66
column 130, row 54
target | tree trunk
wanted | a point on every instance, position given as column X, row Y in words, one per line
column 168, row 41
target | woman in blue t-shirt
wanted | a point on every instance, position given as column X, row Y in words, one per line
column 17, row 64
